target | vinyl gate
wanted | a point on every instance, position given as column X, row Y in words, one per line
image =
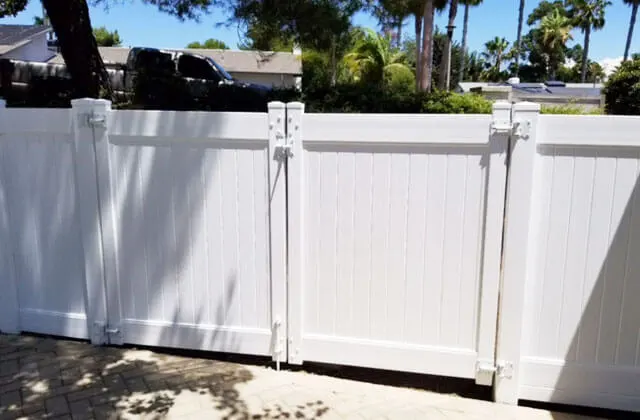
column 389, row 241
column 395, row 228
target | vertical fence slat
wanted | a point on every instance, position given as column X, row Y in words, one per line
column 9, row 307
column 295, row 225
column 278, row 229
column 516, row 252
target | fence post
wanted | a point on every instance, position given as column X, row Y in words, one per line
column 9, row 308
column 295, row 228
column 278, row 228
column 86, row 115
column 515, row 252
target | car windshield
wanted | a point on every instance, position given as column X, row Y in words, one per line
column 222, row 71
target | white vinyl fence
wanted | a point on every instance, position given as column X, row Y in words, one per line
column 498, row 247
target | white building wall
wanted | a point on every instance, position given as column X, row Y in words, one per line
column 34, row 50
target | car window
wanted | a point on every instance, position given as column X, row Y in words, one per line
column 196, row 68
column 154, row 61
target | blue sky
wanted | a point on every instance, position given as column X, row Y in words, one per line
column 142, row 25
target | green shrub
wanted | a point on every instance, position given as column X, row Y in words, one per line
column 622, row 90
column 455, row 103
column 399, row 79
column 569, row 109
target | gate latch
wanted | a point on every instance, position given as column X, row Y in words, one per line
column 518, row 128
column 485, row 371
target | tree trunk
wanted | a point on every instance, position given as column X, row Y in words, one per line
column 585, row 54
column 519, row 37
column 445, row 74
column 399, row 34
column 465, row 28
column 632, row 24
column 432, row 48
column 418, row 29
column 71, row 23
column 334, row 62
column 426, row 54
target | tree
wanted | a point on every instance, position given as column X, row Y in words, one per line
column 622, row 90
column 632, row 23
column 519, row 36
column 373, row 55
column 426, row 53
column 475, row 64
column 494, row 53
column 37, row 20
column 105, row 38
column 555, row 31
column 210, row 44
column 391, row 14
column 262, row 37
column 465, row 27
column 416, row 8
column 545, row 8
column 445, row 76
column 588, row 15
column 319, row 25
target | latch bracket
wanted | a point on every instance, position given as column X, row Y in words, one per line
column 519, row 128
column 486, row 370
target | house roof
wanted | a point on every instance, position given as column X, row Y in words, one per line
column 232, row 61
column 583, row 90
column 14, row 36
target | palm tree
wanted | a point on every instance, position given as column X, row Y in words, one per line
column 416, row 8
column 519, row 36
column 494, row 53
column 445, row 74
column 475, row 66
column 465, row 27
column 555, row 31
column 587, row 15
column 391, row 14
column 634, row 12
column 373, row 55
column 426, row 49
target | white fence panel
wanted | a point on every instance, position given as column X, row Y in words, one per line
column 190, row 196
column 42, row 277
column 387, row 233
column 581, row 326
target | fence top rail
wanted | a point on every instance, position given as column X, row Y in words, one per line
column 397, row 128
column 36, row 121
column 194, row 125
column 589, row 130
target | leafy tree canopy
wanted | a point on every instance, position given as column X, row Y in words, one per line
column 106, row 38
column 210, row 44
column 315, row 24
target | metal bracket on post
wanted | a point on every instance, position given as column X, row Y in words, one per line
column 517, row 128
column 485, row 371
column 521, row 128
column 278, row 342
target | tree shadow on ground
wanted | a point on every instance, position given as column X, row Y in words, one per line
column 46, row 377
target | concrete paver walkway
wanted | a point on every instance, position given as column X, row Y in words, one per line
column 48, row 378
